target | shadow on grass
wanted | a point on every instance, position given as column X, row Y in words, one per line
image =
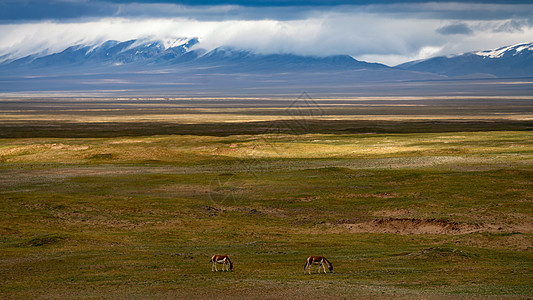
column 58, row 129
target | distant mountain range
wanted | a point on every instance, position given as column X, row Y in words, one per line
column 155, row 54
column 510, row 61
column 180, row 65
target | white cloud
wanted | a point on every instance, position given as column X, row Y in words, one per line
column 362, row 33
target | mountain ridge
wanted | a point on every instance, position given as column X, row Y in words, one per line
column 155, row 53
column 181, row 66
column 505, row 62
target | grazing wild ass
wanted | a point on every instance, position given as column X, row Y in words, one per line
column 317, row 260
column 221, row 259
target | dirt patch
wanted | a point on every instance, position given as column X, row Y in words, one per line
column 413, row 226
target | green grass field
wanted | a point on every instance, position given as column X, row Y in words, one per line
column 422, row 214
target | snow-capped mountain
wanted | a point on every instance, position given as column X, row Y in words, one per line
column 109, row 53
column 515, row 50
column 510, row 61
column 182, row 66
column 153, row 54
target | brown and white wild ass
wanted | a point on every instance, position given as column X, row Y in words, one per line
column 221, row 259
column 317, row 260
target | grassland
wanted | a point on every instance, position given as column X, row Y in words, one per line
column 404, row 208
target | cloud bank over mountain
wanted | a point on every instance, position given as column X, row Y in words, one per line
column 389, row 32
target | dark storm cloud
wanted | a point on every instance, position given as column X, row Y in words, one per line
column 13, row 10
column 307, row 2
column 455, row 29
column 35, row 10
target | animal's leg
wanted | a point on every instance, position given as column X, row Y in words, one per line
column 324, row 267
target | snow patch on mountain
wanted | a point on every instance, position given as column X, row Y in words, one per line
column 504, row 62
column 112, row 48
column 171, row 43
column 500, row 52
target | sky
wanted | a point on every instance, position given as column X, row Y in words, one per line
column 384, row 31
